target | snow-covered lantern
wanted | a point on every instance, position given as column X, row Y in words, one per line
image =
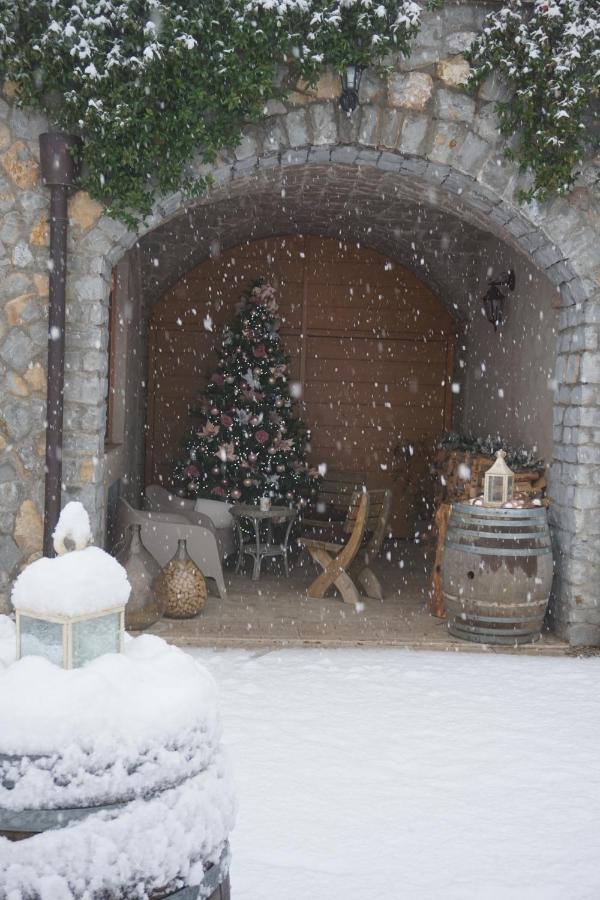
column 71, row 609
column 498, row 482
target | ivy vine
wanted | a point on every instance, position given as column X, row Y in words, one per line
column 148, row 82
column 550, row 54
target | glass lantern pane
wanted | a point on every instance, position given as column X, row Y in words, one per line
column 496, row 484
column 511, row 485
column 42, row 638
column 93, row 637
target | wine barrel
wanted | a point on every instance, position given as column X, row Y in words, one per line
column 497, row 573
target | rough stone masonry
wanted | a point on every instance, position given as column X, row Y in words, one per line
column 419, row 128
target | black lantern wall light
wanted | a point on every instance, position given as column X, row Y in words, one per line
column 493, row 299
column 350, row 85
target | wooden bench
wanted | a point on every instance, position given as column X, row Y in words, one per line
column 336, row 493
column 366, row 526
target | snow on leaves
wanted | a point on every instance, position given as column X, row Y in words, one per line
column 551, row 55
column 150, row 83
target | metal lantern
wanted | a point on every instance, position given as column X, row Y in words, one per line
column 70, row 641
column 350, row 84
column 71, row 608
column 498, row 482
column 493, row 299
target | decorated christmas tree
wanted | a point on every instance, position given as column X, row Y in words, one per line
column 248, row 442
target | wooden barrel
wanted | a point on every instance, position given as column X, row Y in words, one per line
column 497, row 573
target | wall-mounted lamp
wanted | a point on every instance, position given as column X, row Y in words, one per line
column 493, row 300
column 350, row 84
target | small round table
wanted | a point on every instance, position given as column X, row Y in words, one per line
column 258, row 548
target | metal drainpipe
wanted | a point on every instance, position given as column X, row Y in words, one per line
column 59, row 173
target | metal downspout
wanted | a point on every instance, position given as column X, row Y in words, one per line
column 59, row 174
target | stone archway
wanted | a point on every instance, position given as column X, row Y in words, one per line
column 453, row 193
column 418, row 141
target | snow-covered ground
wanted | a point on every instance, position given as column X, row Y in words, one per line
column 412, row 776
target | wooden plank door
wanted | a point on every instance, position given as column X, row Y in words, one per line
column 371, row 349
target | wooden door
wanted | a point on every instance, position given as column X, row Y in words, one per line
column 371, row 349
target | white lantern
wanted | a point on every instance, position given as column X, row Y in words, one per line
column 71, row 609
column 498, row 482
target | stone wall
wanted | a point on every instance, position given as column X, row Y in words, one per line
column 419, row 141
column 508, row 375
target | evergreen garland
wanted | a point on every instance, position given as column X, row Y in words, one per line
column 518, row 457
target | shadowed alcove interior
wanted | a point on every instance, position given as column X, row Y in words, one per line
column 312, row 228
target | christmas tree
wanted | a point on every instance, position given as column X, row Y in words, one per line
column 248, row 442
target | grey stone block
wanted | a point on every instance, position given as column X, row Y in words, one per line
column 369, row 126
column 297, row 128
column 294, row 157
column 10, row 555
column 583, row 635
column 344, row 155
column 473, row 154
column 246, row 147
column 590, row 368
column 18, row 350
column 11, row 228
column 7, row 473
column 18, row 418
column 323, row 123
column 319, row 154
column 275, row 137
column 495, row 88
column 459, row 41
column 454, row 106
column 414, row 131
column 391, row 127
column 446, row 142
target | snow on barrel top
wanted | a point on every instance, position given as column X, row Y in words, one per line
column 82, row 582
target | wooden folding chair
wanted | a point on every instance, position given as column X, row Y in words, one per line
column 380, row 506
column 336, row 493
column 336, row 559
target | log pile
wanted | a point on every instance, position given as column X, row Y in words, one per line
column 458, row 477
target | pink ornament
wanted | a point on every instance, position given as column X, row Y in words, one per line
column 260, row 351
column 252, row 457
column 191, row 471
column 262, row 436
column 227, row 421
column 217, row 378
column 236, row 494
column 218, row 492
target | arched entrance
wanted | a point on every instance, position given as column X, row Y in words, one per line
column 371, row 348
column 462, row 228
